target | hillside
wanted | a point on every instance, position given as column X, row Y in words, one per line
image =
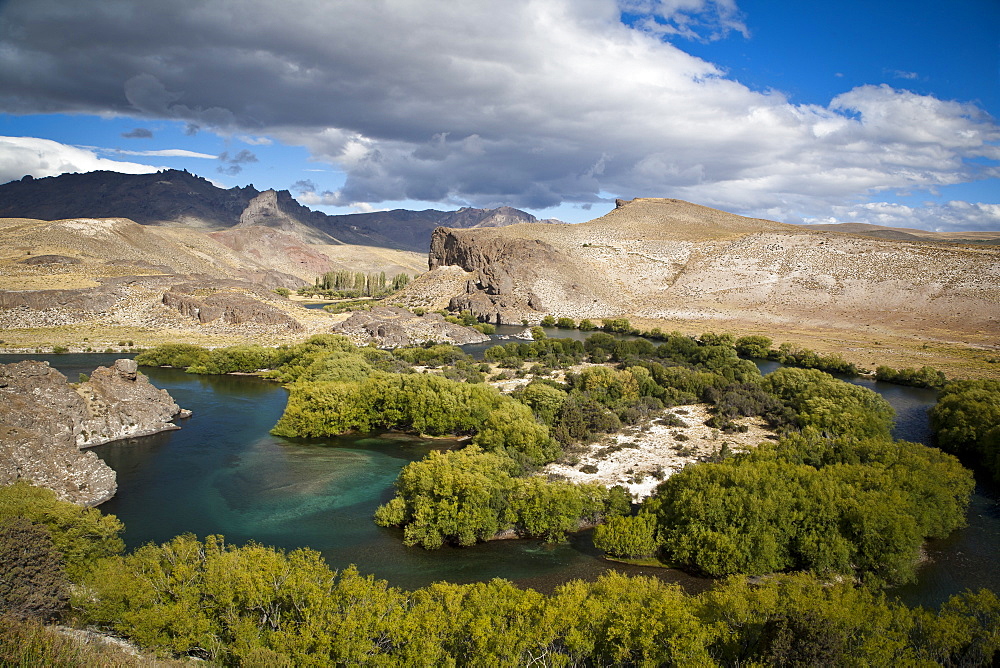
column 174, row 198
column 911, row 234
column 672, row 263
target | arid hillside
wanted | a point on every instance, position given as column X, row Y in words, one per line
column 677, row 264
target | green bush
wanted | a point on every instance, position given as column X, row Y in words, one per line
column 80, row 535
column 469, row 496
column 629, row 536
column 923, row 377
column 966, row 422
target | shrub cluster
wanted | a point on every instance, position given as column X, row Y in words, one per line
column 469, row 496
column 253, row 605
column 966, row 422
column 836, row 495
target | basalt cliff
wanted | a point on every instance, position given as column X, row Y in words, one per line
column 45, row 421
column 670, row 260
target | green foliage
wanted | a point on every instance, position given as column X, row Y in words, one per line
column 178, row 355
column 80, row 535
column 565, row 323
column 253, row 605
column 844, row 507
column 345, row 284
column 32, row 580
column 284, row 292
column 548, row 321
column 832, row 406
column 966, row 422
column 469, row 496
column 617, row 325
column 789, row 355
column 925, row 376
column 424, row 403
column 629, row 536
column 554, row 353
column 242, row 358
column 753, row 346
column 587, row 326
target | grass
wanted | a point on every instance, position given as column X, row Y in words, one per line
column 27, row 644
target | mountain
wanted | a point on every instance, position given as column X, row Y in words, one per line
column 173, row 198
column 666, row 260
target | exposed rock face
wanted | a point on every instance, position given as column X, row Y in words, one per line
column 122, row 403
column 231, row 308
column 669, row 259
column 391, row 327
column 44, row 421
column 491, row 292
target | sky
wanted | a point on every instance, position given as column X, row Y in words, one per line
column 807, row 112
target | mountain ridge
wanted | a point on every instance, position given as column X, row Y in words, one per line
column 178, row 198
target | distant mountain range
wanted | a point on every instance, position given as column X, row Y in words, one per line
column 175, row 198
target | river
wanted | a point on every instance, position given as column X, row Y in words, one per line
column 223, row 473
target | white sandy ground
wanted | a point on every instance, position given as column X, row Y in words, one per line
column 640, row 457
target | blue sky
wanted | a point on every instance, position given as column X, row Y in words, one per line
column 872, row 112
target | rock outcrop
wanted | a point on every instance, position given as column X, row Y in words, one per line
column 493, row 262
column 228, row 307
column 391, row 327
column 44, row 421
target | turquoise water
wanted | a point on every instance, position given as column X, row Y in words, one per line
column 223, row 473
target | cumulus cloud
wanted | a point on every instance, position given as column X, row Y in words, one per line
column 526, row 103
column 138, row 133
column 953, row 216
column 20, row 156
column 233, row 164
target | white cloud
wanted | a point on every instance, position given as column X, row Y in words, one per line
column 20, row 156
column 161, row 153
column 530, row 103
column 953, row 216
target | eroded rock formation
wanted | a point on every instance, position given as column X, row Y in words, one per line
column 231, row 308
column 45, row 420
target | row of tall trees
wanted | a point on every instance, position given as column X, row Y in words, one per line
column 347, row 284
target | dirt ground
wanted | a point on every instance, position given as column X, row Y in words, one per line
column 640, row 457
